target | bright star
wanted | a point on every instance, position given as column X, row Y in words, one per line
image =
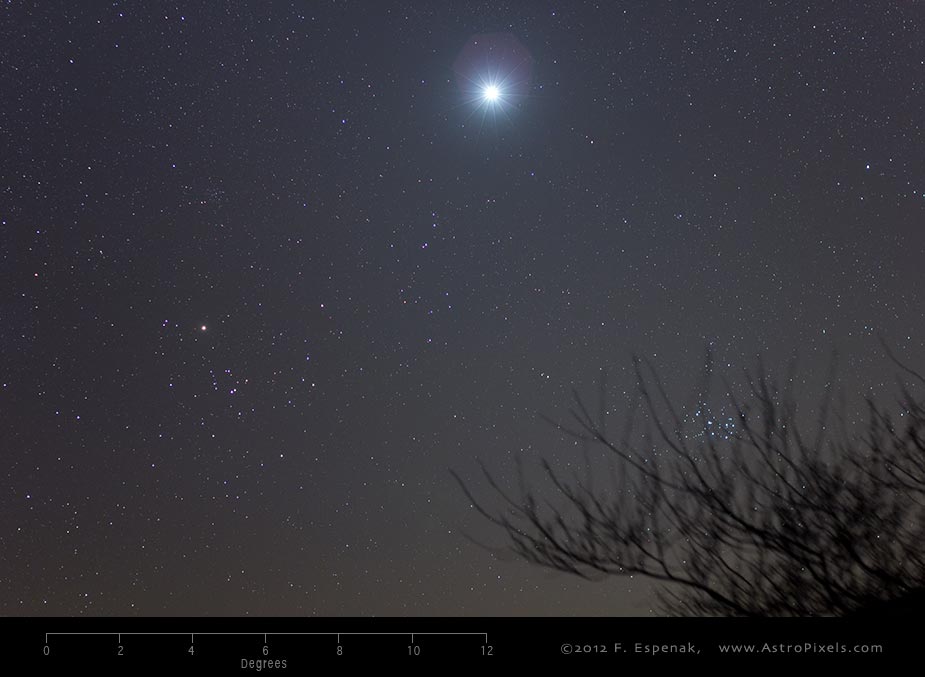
column 491, row 93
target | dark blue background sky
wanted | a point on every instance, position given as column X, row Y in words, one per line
column 268, row 273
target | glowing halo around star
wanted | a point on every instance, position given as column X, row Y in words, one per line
column 493, row 94
column 493, row 73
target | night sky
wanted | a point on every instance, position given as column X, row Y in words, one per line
column 271, row 271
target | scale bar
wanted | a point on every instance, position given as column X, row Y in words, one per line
column 265, row 635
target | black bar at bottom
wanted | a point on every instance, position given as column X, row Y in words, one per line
column 258, row 644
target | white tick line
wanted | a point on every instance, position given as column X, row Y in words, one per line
column 316, row 634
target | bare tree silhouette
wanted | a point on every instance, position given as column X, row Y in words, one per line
column 744, row 516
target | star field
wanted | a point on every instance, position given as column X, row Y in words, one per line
column 271, row 272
